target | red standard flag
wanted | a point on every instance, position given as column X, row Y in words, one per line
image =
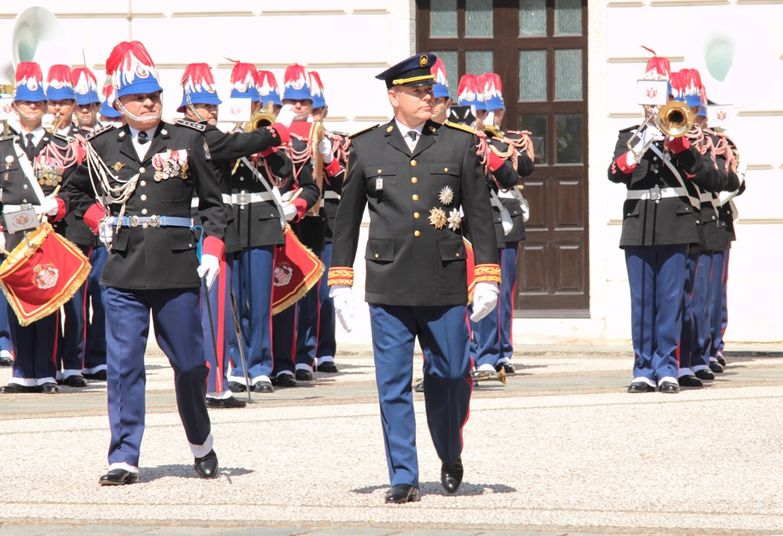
column 41, row 274
column 296, row 271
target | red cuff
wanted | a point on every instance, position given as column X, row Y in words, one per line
column 281, row 130
column 678, row 145
column 301, row 207
column 333, row 167
column 93, row 216
column 266, row 152
column 495, row 161
column 61, row 209
column 622, row 163
column 213, row 246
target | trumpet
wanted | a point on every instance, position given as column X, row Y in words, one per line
column 675, row 119
column 262, row 118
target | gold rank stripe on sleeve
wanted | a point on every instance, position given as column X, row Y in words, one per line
column 489, row 273
column 340, row 275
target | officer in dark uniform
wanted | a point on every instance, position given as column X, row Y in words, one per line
column 200, row 104
column 415, row 175
column 660, row 220
column 34, row 163
column 146, row 173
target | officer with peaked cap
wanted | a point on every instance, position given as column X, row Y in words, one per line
column 146, row 173
column 415, row 175
column 32, row 165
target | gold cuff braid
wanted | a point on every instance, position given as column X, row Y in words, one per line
column 340, row 275
column 489, row 273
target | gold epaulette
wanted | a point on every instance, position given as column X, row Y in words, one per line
column 462, row 127
column 363, row 131
column 98, row 132
column 201, row 127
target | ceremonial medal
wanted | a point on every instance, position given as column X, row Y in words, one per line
column 454, row 219
column 437, row 217
column 118, row 166
column 446, row 195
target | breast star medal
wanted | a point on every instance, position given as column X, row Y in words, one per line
column 437, row 217
column 446, row 195
column 454, row 219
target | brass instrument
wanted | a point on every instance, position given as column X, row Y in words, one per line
column 56, row 124
column 486, row 375
column 316, row 137
column 262, row 118
column 674, row 119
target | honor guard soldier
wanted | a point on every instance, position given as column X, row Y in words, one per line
column 415, row 175
column 61, row 102
column 322, row 342
column 108, row 114
column 517, row 149
column 35, row 164
column 89, row 303
column 200, row 104
column 145, row 174
column 294, row 328
column 660, row 220
column 269, row 91
column 440, row 92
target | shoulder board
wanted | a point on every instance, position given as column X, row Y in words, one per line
column 464, row 128
column 98, row 132
column 376, row 125
column 191, row 124
column 63, row 137
column 630, row 129
column 7, row 138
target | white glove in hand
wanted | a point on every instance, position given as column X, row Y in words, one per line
column 209, row 269
column 325, row 148
column 343, row 305
column 286, row 115
column 105, row 233
column 289, row 211
column 485, row 299
column 50, row 206
column 2, row 240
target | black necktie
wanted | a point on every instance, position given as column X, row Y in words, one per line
column 29, row 148
column 413, row 135
column 143, row 138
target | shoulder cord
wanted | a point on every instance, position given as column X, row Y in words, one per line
column 111, row 195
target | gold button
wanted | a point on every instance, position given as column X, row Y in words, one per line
column 414, row 180
column 144, row 211
column 457, row 255
column 445, row 170
column 142, row 169
column 416, row 215
column 380, row 171
column 415, row 197
column 376, row 255
column 417, row 233
column 413, row 163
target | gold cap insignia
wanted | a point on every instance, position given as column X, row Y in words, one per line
column 437, row 217
column 118, row 166
column 423, row 61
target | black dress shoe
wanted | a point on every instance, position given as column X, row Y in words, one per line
column 402, row 493
column 229, row 402
column 303, row 375
column 640, row 387
column 705, row 374
column 689, row 381
column 207, row 465
column 14, row 388
column 451, row 475
column 74, row 381
column 263, row 387
column 118, row 477
column 716, row 367
column 236, row 387
column 284, row 380
column 508, row 368
column 6, row 361
column 721, row 360
column 100, row 375
column 50, row 388
column 418, row 386
column 327, row 366
column 669, row 387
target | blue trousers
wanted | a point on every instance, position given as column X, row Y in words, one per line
column 508, row 289
column 220, row 320
column 176, row 317
column 718, row 279
column 5, row 328
column 701, row 312
column 443, row 337
column 307, row 327
column 656, row 275
column 284, row 339
column 252, row 282
column 74, row 335
column 688, row 346
column 35, row 349
column 95, row 352
column 327, row 343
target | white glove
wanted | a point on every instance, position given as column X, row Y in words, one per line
column 50, row 206
column 209, row 269
column 485, row 298
column 105, row 233
column 2, row 240
column 286, row 115
column 325, row 148
column 343, row 305
column 289, row 211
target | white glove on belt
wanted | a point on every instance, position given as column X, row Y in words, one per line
column 485, row 299
column 105, row 233
column 343, row 305
column 209, row 269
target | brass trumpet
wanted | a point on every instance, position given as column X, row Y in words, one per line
column 262, row 118
column 674, row 119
